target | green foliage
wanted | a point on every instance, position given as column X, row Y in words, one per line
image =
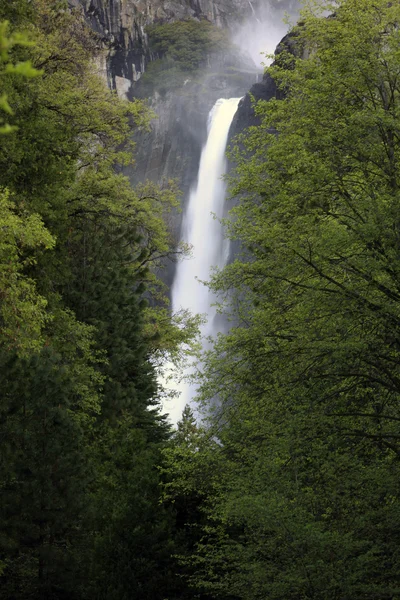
column 306, row 499
column 191, row 476
column 162, row 75
column 131, row 539
column 17, row 12
column 180, row 50
column 187, row 43
column 23, row 69
column 47, row 410
column 79, row 411
column 23, row 313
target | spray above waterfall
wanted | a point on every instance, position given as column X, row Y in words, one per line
column 202, row 229
column 265, row 28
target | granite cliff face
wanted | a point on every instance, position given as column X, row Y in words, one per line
column 172, row 147
column 121, row 25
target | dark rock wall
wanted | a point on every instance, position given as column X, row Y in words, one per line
column 265, row 89
column 172, row 147
column 121, row 24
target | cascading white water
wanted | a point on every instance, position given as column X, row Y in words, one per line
column 201, row 227
column 202, row 230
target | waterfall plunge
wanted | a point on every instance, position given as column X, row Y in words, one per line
column 202, row 230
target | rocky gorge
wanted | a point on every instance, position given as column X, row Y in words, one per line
column 172, row 148
column 138, row 39
column 121, row 24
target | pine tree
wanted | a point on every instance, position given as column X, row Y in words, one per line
column 80, row 425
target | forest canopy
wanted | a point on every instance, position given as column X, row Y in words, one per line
column 296, row 474
column 80, row 421
column 289, row 488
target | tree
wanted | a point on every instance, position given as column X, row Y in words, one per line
column 22, row 68
column 307, row 382
column 48, row 405
column 79, row 401
column 187, row 43
column 23, row 312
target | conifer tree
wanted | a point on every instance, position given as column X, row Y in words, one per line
column 79, row 419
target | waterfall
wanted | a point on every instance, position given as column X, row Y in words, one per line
column 202, row 230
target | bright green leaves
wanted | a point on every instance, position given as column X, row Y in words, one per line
column 7, row 67
column 304, row 389
column 79, row 247
column 23, row 310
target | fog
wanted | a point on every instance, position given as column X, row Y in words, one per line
column 265, row 28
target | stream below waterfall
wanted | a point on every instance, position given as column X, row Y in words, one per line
column 201, row 228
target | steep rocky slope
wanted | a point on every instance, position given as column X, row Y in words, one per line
column 121, row 24
column 265, row 89
column 172, row 147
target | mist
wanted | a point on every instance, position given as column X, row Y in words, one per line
column 263, row 31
